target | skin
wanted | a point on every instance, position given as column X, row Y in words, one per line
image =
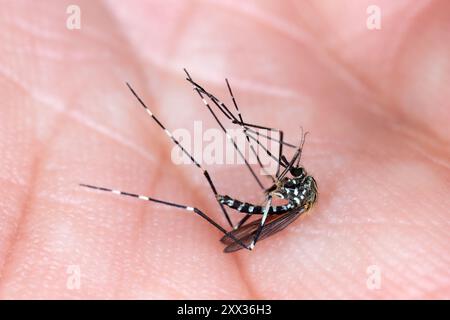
column 375, row 103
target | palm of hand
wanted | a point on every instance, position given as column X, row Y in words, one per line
column 376, row 103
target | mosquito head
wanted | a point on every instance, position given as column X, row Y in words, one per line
column 298, row 172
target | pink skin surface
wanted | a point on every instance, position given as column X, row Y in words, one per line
column 375, row 102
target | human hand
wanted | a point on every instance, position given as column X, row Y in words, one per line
column 375, row 103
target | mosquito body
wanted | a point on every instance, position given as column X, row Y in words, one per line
column 291, row 183
column 300, row 192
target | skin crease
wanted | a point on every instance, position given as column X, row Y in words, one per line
column 375, row 103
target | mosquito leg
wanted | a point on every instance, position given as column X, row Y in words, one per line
column 281, row 144
column 205, row 172
column 263, row 221
column 287, row 144
column 225, row 110
column 222, row 107
column 245, row 126
column 242, row 221
column 304, row 138
column 246, row 135
column 256, row 153
column 234, row 143
column 170, row 204
column 283, row 162
column 296, row 157
column 228, row 136
column 280, row 153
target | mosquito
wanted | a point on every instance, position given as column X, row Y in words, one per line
column 291, row 183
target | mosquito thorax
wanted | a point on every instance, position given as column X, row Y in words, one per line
column 300, row 190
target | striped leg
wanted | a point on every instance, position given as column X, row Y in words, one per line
column 280, row 153
column 220, row 105
column 242, row 221
column 257, row 133
column 226, row 134
column 281, row 142
column 302, row 143
column 263, row 221
column 205, row 173
column 282, row 162
column 171, row 204
column 252, row 149
column 224, row 109
column 297, row 156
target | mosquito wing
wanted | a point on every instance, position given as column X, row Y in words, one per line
column 272, row 226
column 280, row 223
column 244, row 231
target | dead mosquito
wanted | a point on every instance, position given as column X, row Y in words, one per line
column 290, row 183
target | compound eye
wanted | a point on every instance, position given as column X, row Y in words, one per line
column 297, row 172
